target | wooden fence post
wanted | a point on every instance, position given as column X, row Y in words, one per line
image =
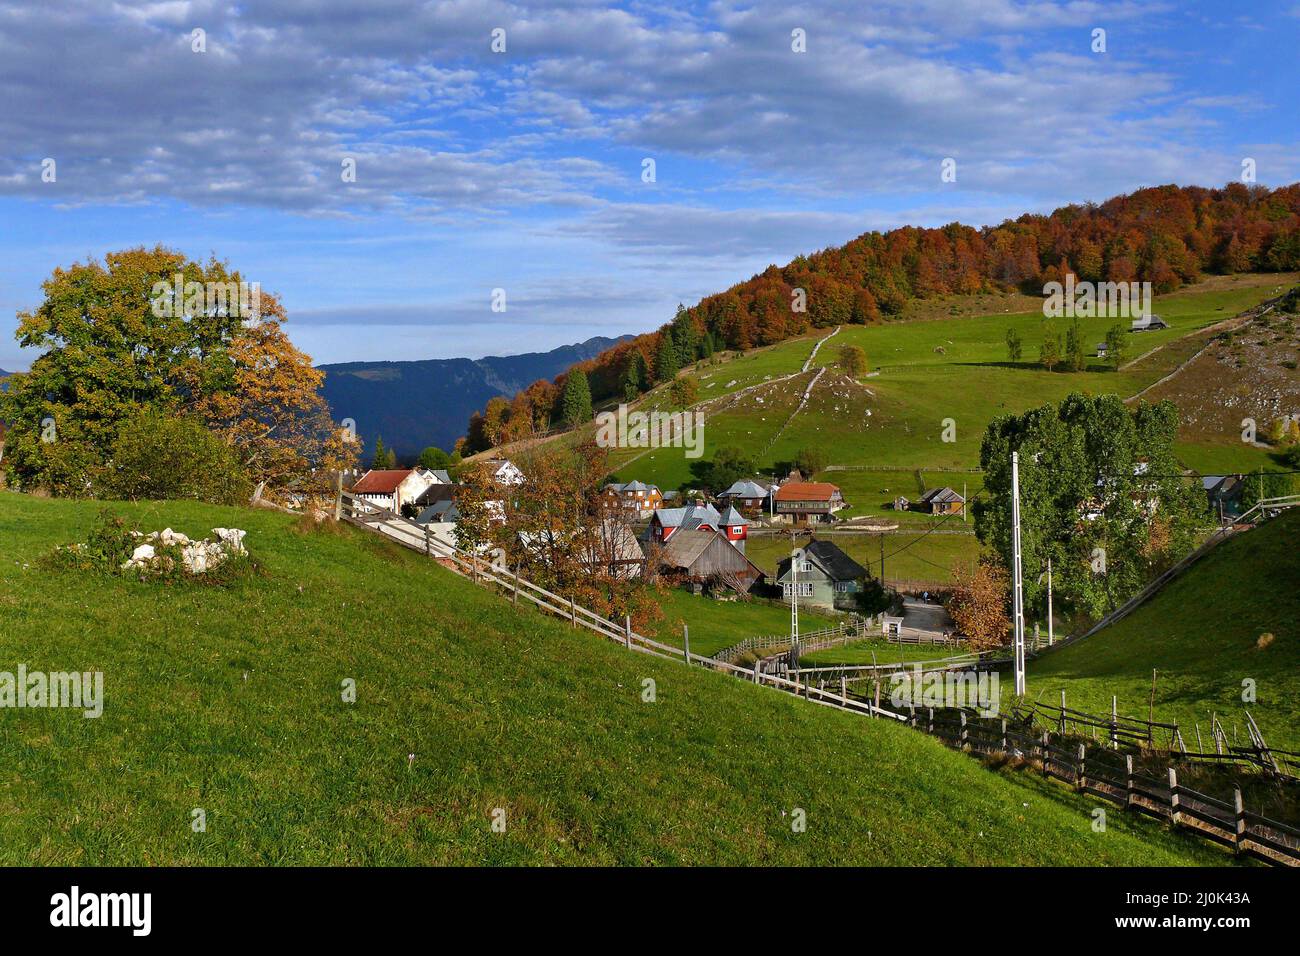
column 965, row 738
column 1060, row 729
column 1044, row 753
column 514, row 595
column 428, row 541
column 627, row 630
column 1174, row 815
column 573, row 614
column 1082, row 776
column 1114, row 722
column 1128, row 781
column 929, row 727
column 756, row 663
column 1239, row 838
column 686, row 643
column 844, row 688
column 1005, row 748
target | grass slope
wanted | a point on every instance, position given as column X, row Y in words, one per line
column 228, row 699
column 1200, row 634
column 924, row 373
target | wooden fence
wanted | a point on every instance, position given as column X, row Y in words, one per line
column 831, row 636
column 1111, row 775
column 1247, row 832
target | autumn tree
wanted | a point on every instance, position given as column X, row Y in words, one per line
column 853, row 361
column 979, row 604
column 149, row 329
column 1076, row 359
column 685, row 391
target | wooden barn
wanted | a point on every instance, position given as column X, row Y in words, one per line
column 706, row 559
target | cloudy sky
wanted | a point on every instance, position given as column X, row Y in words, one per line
column 523, row 169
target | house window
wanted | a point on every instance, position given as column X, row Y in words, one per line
column 843, row 587
column 805, row 589
column 806, row 567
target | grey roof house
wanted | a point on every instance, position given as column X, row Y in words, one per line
column 827, row 577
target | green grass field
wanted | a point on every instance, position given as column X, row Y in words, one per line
column 876, row 650
column 895, row 417
column 228, row 699
column 718, row 624
column 909, row 556
column 1200, row 634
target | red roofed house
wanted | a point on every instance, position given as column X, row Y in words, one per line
column 393, row 487
column 803, row 502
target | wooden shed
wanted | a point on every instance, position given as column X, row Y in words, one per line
column 706, row 558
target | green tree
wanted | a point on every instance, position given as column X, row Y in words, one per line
column 114, row 343
column 1101, row 493
column 383, row 457
column 1116, row 345
column 686, row 339
column 1075, row 357
column 727, row 466
column 1014, row 346
column 1049, row 353
column 634, row 376
column 434, row 458
column 809, row 461
column 666, row 364
column 853, row 361
column 159, row 456
column 575, row 402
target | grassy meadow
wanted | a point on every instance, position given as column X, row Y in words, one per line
column 228, row 699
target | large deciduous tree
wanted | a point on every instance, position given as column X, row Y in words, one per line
column 150, row 330
column 1101, row 494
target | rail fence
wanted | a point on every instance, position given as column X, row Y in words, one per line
column 1246, row 832
column 1111, row 775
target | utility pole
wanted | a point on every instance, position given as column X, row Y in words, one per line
column 882, row 559
column 1017, row 594
column 795, row 556
column 1050, row 639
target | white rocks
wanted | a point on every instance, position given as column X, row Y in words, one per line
column 197, row 557
column 140, row 557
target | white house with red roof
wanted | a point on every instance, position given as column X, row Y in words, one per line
column 393, row 487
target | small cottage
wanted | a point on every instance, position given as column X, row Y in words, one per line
column 822, row 575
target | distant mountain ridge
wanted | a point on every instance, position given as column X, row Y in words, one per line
column 416, row 404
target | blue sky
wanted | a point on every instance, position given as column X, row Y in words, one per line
column 522, row 170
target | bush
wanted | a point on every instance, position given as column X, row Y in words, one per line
column 163, row 457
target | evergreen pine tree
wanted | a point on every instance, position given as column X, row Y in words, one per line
column 575, row 404
column 666, row 364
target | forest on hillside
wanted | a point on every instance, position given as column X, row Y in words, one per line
column 1165, row 235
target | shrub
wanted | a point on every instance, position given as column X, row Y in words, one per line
column 164, row 457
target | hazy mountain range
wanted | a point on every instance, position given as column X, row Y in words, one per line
column 416, row 404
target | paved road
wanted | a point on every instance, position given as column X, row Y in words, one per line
column 926, row 618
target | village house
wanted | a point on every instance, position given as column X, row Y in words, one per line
column 666, row 522
column 942, row 501
column 804, row 502
column 825, row 576
column 503, row 471
column 751, row 496
column 633, row 498
column 1224, row 494
column 705, row 560
column 1148, row 323
column 394, row 487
